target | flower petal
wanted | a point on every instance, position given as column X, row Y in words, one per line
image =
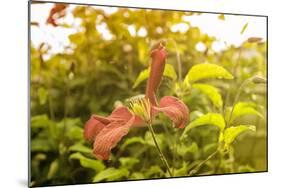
column 158, row 56
column 110, row 136
column 175, row 109
column 92, row 128
column 122, row 113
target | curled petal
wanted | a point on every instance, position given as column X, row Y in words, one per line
column 158, row 56
column 120, row 113
column 58, row 9
column 110, row 136
column 175, row 109
column 92, row 128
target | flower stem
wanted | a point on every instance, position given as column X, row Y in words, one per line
column 192, row 172
column 245, row 82
column 161, row 155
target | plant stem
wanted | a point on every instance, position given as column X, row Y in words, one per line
column 161, row 155
column 236, row 99
column 178, row 59
column 192, row 172
column 234, row 72
column 175, row 151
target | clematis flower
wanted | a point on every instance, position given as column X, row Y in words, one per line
column 106, row 132
column 57, row 11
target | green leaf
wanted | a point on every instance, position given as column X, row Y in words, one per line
column 41, row 144
column 212, row 92
column 40, row 121
column 205, row 71
column 88, row 163
column 244, row 28
column 142, row 76
column 75, row 133
column 42, row 95
column 241, row 109
column 182, row 171
column 213, row 119
column 128, row 162
column 111, row 174
column 80, row 148
column 153, row 170
column 53, row 169
column 231, row 133
column 132, row 140
column 182, row 150
column 169, row 72
column 137, row 176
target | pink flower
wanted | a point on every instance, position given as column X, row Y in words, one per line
column 106, row 132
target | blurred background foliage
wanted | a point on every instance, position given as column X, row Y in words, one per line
column 95, row 73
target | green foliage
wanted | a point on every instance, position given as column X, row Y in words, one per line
column 111, row 174
column 80, row 148
column 231, row 133
column 169, row 72
column 212, row 92
column 205, row 71
column 242, row 109
column 88, row 163
column 213, row 119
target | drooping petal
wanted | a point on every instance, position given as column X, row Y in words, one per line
column 175, row 109
column 111, row 135
column 122, row 113
column 92, row 128
column 58, row 9
column 158, row 56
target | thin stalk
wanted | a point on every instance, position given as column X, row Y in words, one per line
column 179, row 64
column 234, row 72
column 192, row 172
column 161, row 155
column 236, row 99
column 65, row 113
column 175, row 151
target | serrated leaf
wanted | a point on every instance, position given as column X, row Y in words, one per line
column 88, row 163
column 241, row 109
column 231, row 133
column 169, row 72
column 80, row 148
column 213, row 119
column 111, row 174
column 212, row 92
column 206, row 71
column 244, row 28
